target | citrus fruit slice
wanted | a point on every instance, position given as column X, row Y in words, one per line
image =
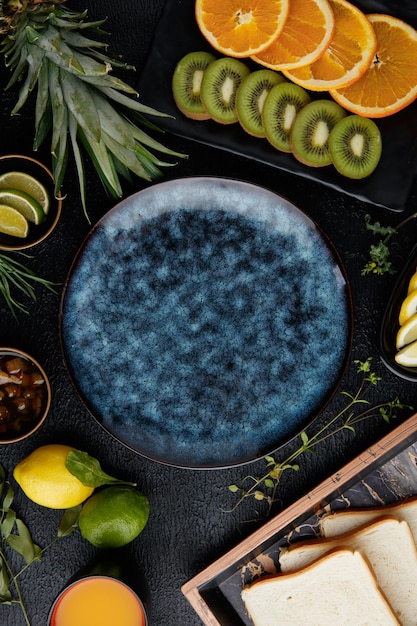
column 408, row 307
column 30, row 185
column 408, row 355
column 12, row 222
column 348, row 55
column 407, row 333
column 390, row 82
column 412, row 283
column 240, row 28
column 307, row 33
column 114, row 516
column 24, row 203
column 45, row 479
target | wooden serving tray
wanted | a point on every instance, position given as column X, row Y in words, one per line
column 385, row 473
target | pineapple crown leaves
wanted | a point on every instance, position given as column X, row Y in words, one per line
column 13, row 11
column 78, row 102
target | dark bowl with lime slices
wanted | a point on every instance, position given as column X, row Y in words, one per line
column 25, row 395
column 29, row 209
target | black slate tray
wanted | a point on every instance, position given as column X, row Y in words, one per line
column 177, row 34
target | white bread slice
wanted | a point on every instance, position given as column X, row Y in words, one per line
column 339, row 588
column 340, row 522
column 389, row 547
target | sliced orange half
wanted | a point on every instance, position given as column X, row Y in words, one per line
column 348, row 55
column 306, row 35
column 390, row 83
column 241, row 28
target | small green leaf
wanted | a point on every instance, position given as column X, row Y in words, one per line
column 22, row 543
column 294, row 467
column 5, row 595
column 8, row 498
column 8, row 523
column 88, row 470
column 233, row 488
column 269, row 483
column 258, row 495
column 69, row 521
column 276, row 472
column 376, row 227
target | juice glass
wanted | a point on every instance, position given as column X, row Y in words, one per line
column 97, row 601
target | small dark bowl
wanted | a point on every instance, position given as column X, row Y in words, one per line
column 390, row 325
column 37, row 233
column 36, row 398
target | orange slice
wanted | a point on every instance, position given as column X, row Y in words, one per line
column 306, row 35
column 348, row 55
column 240, row 28
column 390, row 83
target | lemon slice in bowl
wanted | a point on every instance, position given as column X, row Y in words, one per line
column 407, row 333
column 24, row 203
column 412, row 285
column 12, row 222
column 408, row 307
column 27, row 183
column 408, row 355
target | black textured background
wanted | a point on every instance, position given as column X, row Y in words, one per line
column 187, row 528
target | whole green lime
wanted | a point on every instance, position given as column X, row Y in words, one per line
column 113, row 516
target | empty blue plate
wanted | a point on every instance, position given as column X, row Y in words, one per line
column 205, row 322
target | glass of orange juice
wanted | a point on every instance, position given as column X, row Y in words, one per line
column 97, row 601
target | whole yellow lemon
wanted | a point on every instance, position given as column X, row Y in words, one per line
column 45, row 479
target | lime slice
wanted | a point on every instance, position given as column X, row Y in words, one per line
column 407, row 356
column 408, row 307
column 28, row 184
column 407, row 333
column 12, row 222
column 24, row 203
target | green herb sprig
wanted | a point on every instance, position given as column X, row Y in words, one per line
column 14, row 275
column 379, row 254
column 264, row 488
column 15, row 537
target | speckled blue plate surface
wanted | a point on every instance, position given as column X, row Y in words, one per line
column 205, row 322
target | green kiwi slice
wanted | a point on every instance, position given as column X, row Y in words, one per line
column 251, row 97
column 219, row 87
column 355, row 146
column 309, row 137
column 281, row 107
column 186, row 84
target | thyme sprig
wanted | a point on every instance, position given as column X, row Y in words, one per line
column 264, row 488
column 379, row 261
column 15, row 537
column 14, row 275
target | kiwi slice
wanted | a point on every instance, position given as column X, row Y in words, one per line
column 219, row 87
column 355, row 146
column 186, row 84
column 283, row 103
column 309, row 137
column 250, row 99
